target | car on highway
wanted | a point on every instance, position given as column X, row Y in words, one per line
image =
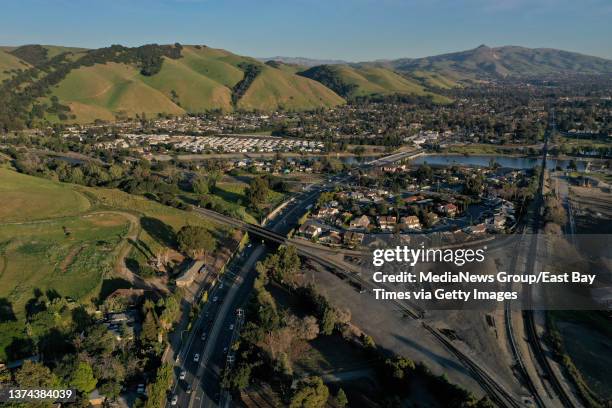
column 216, row 298
column 183, row 375
column 231, row 327
column 203, row 336
column 189, row 389
column 174, row 400
column 196, row 357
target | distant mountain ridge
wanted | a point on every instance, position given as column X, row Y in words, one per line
column 506, row 61
column 303, row 61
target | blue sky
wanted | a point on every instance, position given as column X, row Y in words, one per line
column 354, row 30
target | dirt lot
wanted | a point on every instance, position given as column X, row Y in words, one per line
column 592, row 210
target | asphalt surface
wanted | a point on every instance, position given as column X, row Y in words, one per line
column 216, row 325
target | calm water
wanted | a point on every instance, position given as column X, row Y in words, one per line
column 504, row 161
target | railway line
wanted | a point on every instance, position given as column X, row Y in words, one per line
column 528, row 315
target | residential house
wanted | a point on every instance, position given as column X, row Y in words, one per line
column 387, row 223
column 411, row 222
column 331, row 238
column 353, row 239
column 360, row 222
column 449, row 209
column 477, row 229
column 310, row 230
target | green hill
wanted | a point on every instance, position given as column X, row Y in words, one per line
column 274, row 88
column 366, row 79
column 104, row 91
column 201, row 79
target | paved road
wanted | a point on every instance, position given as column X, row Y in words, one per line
column 203, row 377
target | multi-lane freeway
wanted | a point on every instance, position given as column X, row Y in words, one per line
column 205, row 352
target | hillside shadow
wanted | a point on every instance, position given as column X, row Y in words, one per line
column 160, row 231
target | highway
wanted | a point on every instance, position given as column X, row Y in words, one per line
column 217, row 320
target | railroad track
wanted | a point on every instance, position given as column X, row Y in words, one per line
column 528, row 318
column 495, row 391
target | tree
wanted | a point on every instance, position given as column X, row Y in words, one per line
column 82, row 378
column 424, row 172
column 36, row 376
column 149, row 328
column 257, row 192
column 238, row 378
column 199, row 185
column 341, row 399
column 194, row 240
column 310, row 393
column 288, row 262
column 328, row 322
column 157, row 390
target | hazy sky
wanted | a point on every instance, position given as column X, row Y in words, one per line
column 354, row 30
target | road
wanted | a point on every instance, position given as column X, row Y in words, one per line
column 216, row 318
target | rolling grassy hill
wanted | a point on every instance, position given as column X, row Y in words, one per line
column 202, row 79
column 274, row 88
column 104, row 90
column 366, row 79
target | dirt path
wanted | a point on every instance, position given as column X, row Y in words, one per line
column 120, row 268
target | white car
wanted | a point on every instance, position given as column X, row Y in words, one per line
column 196, row 357
column 215, row 298
column 231, row 327
column 203, row 337
column 174, row 400
column 183, row 375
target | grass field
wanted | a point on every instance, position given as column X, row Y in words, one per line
column 69, row 255
column 71, row 241
column 26, row 198
column 158, row 223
